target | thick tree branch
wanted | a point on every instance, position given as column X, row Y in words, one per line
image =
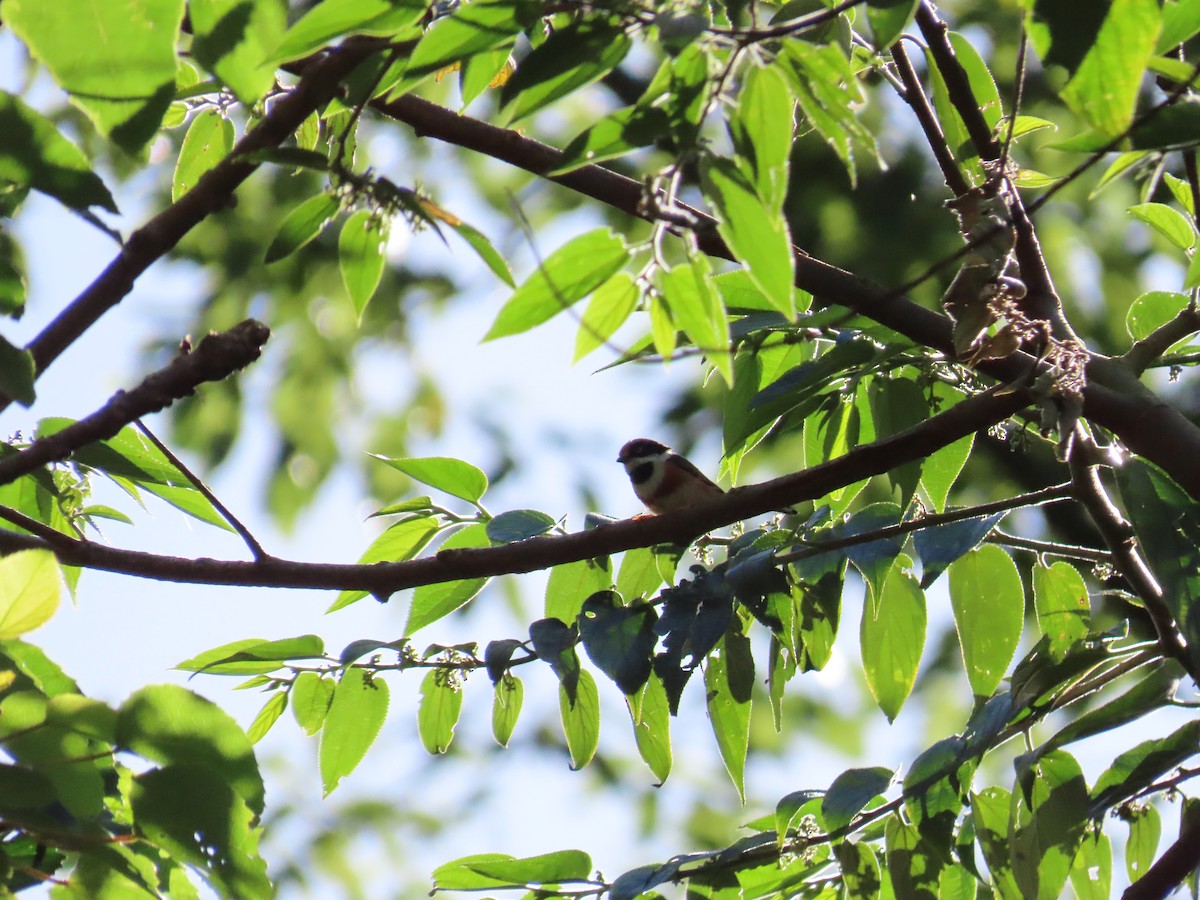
column 215, row 357
column 1169, row 870
column 212, row 192
column 383, row 579
column 1113, row 398
column 914, row 96
column 1161, row 339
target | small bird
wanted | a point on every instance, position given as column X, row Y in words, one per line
column 662, row 479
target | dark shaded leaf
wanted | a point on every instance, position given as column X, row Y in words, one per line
column 619, row 639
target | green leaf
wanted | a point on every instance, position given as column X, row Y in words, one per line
column 507, row 696
column 251, row 656
column 355, row 716
column 897, row 404
column 171, row 726
column 401, row 541
column 911, row 866
column 617, row 134
column 651, row 714
column 461, row 875
column 301, row 225
column 697, row 310
column 115, row 59
column 757, row 236
column 36, row 155
column 470, row 29
column 611, row 304
column 763, row 130
column 361, row 257
column 195, row 815
column 892, row 636
column 327, row 21
column 518, row 525
column 888, row 19
column 572, row 583
column 619, row 639
column 455, row 477
column 989, row 611
column 18, row 373
column 1061, row 600
column 484, row 249
column 1091, row 870
column 29, row 591
column 548, row 868
column 850, row 792
column 728, row 678
column 1153, row 309
column 1140, row 766
column 311, row 695
column 638, row 574
column 581, row 719
column 568, row 275
column 942, row 545
column 1049, row 817
column 1145, row 829
column 434, row 601
column 1180, row 22
column 567, row 60
column 267, row 716
column 990, row 815
column 14, row 285
column 231, row 39
column 1167, row 221
column 1105, row 82
column 438, row 710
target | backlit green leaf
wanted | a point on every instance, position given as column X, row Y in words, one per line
column 171, row 726
column 728, row 678
column 1153, row 309
column 611, row 304
column 433, row 601
column 568, row 59
column 231, row 39
column 507, row 696
column 757, row 236
column 565, row 277
column 989, row 611
column 484, row 249
column 267, row 716
column 355, row 716
column 455, row 477
column 36, row 155
column 401, row 541
column 696, row 309
column 311, row 695
column 581, row 719
column 892, row 635
column 208, row 140
column 1168, row 222
column 438, row 710
column 471, row 28
column 29, row 591
column 327, row 21
column 1063, row 611
column 116, row 60
column 361, row 257
column 301, row 225
column 850, row 792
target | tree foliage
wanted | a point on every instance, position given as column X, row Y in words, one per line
column 860, row 223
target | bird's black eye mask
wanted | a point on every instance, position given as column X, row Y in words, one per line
column 641, row 472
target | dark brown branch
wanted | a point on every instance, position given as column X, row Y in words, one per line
column 1113, row 398
column 215, row 357
column 914, row 96
column 1169, row 870
column 958, row 86
column 383, row 579
column 1119, row 537
column 1162, row 338
column 212, row 192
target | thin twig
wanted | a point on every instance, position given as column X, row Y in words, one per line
column 1049, row 548
column 1039, row 497
column 251, row 542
